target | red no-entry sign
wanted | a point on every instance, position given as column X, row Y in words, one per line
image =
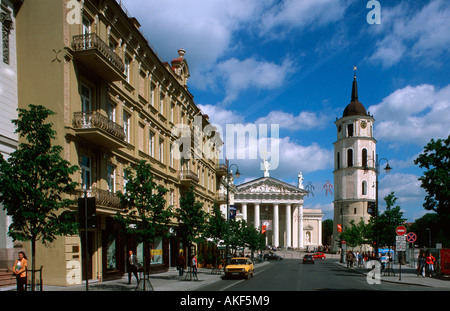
column 401, row 230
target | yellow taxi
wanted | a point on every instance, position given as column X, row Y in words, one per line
column 240, row 267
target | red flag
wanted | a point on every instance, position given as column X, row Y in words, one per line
column 339, row 228
column 263, row 230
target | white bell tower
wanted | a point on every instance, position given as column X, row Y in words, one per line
column 354, row 165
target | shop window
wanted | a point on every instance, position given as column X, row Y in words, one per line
column 157, row 252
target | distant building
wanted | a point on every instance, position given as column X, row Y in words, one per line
column 354, row 165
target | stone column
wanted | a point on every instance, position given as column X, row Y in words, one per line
column 244, row 210
column 276, row 231
column 320, row 233
column 300, row 225
column 288, row 226
column 257, row 215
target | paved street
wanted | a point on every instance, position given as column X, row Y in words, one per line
column 288, row 274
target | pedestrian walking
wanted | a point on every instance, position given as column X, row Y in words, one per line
column 181, row 261
column 349, row 259
column 421, row 264
column 429, row 261
column 194, row 266
column 133, row 266
column 20, row 271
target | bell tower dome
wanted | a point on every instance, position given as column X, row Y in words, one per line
column 354, row 165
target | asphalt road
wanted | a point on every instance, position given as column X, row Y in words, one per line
column 293, row 275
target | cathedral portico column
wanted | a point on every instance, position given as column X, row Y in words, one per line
column 288, row 226
column 300, row 225
column 244, row 210
column 276, row 225
column 257, row 215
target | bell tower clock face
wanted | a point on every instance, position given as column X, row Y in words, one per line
column 363, row 124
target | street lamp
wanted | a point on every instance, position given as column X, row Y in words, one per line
column 237, row 174
column 387, row 169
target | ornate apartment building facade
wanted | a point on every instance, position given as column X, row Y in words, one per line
column 116, row 103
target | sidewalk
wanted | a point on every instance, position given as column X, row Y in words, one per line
column 166, row 281
column 408, row 275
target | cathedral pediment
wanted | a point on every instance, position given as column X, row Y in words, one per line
column 269, row 185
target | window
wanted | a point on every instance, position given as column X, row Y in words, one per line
column 364, row 187
column 125, row 181
column 171, row 113
column 171, row 198
column 111, row 111
column 85, row 173
column 110, row 178
column 338, row 160
column 127, row 68
column 151, row 144
column 349, row 158
column 86, row 26
column 350, row 130
column 126, row 125
column 161, row 150
column 85, row 98
column 152, row 95
column 364, row 157
column 161, row 104
column 171, row 155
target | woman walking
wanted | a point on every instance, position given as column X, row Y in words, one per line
column 20, row 271
column 421, row 264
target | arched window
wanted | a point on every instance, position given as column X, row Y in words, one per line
column 364, row 187
column 338, row 160
column 349, row 158
column 364, row 157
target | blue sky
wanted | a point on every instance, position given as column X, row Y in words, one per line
column 290, row 63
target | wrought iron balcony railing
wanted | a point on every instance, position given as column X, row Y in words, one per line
column 188, row 175
column 95, row 120
column 102, row 197
column 92, row 41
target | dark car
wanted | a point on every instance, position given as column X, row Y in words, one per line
column 308, row 258
column 272, row 256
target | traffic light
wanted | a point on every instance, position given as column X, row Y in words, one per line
column 91, row 213
column 371, row 208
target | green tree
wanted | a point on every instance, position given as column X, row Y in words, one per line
column 436, row 179
column 252, row 237
column 354, row 235
column 382, row 227
column 143, row 206
column 216, row 228
column 192, row 220
column 35, row 183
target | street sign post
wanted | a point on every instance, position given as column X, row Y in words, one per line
column 411, row 237
column 400, row 246
column 401, row 230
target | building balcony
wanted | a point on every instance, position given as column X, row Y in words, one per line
column 221, row 198
column 94, row 53
column 221, row 169
column 98, row 129
column 188, row 178
column 102, row 197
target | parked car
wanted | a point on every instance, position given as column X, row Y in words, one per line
column 272, row 256
column 239, row 267
column 319, row 255
column 308, row 258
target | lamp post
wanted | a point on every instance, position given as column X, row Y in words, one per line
column 387, row 169
column 237, row 174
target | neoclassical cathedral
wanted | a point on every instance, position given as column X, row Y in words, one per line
column 276, row 207
column 354, row 165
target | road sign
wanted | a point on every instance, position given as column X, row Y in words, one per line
column 411, row 237
column 401, row 230
column 400, row 242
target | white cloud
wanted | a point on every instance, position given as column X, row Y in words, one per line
column 413, row 114
column 418, row 35
column 290, row 14
column 406, row 188
column 240, row 75
column 305, row 120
